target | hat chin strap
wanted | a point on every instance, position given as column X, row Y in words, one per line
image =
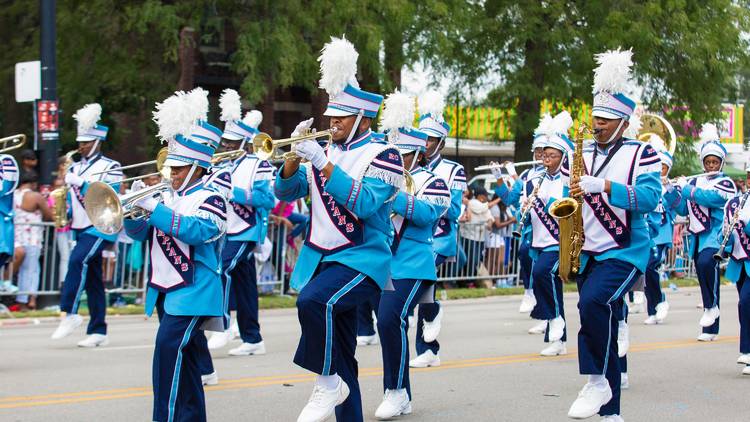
column 92, row 151
column 355, row 127
column 187, row 178
column 439, row 148
column 612, row 136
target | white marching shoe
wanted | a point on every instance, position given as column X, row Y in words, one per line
column 556, row 348
column 591, row 398
column 624, row 382
column 528, row 302
column 639, row 303
column 219, row 340
column 613, row 418
column 424, row 360
column 94, row 340
column 744, row 359
column 431, row 329
column 662, row 309
column 247, row 349
column 706, row 337
column 746, row 370
column 623, row 339
column 539, row 328
column 709, row 316
column 556, row 328
column 651, row 320
column 323, row 402
column 395, row 403
column 67, row 326
column 367, row 340
column 412, row 321
column 210, row 379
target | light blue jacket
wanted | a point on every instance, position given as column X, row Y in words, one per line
column 661, row 223
column 7, row 187
column 446, row 244
column 261, row 199
column 712, row 199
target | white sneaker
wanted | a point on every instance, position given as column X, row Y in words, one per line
column 624, row 384
column 639, row 302
column 613, row 418
column 395, row 403
column 709, row 316
column 528, row 302
column 623, row 339
column 247, row 349
column 591, row 398
column 651, row 320
column 556, row 329
column 744, row 359
column 662, row 309
column 219, row 340
column 67, row 326
column 424, row 360
column 555, row 349
column 539, row 328
column 367, row 340
column 412, row 321
column 323, row 402
column 94, row 340
column 430, row 330
column 746, row 370
column 210, row 379
column 235, row 329
column 706, row 337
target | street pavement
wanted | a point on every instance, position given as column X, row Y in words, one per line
column 491, row 370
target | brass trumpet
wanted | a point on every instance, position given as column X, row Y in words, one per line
column 232, row 155
column 269, row 149
column 107, row 210
column 161, row 157
column 16, row 142
column 60, row 195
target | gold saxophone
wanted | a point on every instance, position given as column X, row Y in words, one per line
column 569, row 216
column 60, row 195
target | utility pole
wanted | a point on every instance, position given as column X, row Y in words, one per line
column 48, row 107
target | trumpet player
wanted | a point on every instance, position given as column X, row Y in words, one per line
column 250, row 200
column 184, row 286
column 346, row 256
column 413, row 273
column 618, row 182
column 702, row 200
column 85, row 264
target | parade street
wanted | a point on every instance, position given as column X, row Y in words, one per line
column 491, row 370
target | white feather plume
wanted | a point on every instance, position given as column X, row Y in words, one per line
column 634, row 126
column 613, row 73
column 432, row 103
column 709, row 132
column 253, row 118
column 88, row 116
column 338, row 66
column 545, row 123
column 561, row 123
column 197, row 102
column 398, row 112
column 173, row 116
column 231, row 106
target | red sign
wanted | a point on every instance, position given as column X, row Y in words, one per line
column 47, row 116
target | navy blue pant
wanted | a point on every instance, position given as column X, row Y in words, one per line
column 428, row 312
column 327, row 312
column 85, row 272
column 743, row 288
column 241, row 288
column 601, row 287
column 395, row 307
column 524, row 268
column 707, row 269
column 548, row 290
column 365, row 323
column 652, row 288
column 176, row 374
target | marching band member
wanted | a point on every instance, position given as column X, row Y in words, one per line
column 346, row 255
column 548, row 287
column 8, row 184
column 702, row 200
column 250, row 201
column 184, row 287
column 429, row 317
column 413, row 272
column 620, row 184
column 85, row 265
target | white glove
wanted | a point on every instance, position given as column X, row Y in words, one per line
column 745, row 215
column 682, row 181
column 74, row 179
column 148, row 203
column 137, row 185
column 302, row 126
column 511, row 169
column 591, row 184
column 312, row 152
column 497, row 171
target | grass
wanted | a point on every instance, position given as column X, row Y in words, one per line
column 280, row 302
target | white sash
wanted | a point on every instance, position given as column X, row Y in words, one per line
column 80, row 218
column 699, row 217
column 545, row 229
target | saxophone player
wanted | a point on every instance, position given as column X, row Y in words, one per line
column 618, row 183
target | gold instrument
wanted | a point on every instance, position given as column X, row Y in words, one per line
column 651, row 124
column 569, row 215
column 727, row 233
column 16, row 142
column 527, row 207
column 60, row 195
column 161, row 158
column 706, row 174
column 232, row 155
column 521, row 164
column 107, row 210
column 270, row 149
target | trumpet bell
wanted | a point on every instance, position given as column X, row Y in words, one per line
column 103, row 208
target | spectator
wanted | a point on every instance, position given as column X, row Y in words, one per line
column 28, row 161
column 30, row 208
column 497, row 239
column 477, row 219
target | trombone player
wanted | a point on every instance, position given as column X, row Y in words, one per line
column 85, row 264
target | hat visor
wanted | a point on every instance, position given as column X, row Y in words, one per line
column 334, row 112
column 172, row 162
column 85, row 138
column 404, row 150
column 231, row 136
column 606, row 115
